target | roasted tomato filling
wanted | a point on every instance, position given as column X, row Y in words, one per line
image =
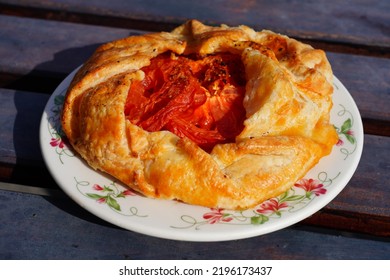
column 193, row 97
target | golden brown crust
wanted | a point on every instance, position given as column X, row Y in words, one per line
column 287, row 129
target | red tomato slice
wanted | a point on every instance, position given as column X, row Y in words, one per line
column 196, row 98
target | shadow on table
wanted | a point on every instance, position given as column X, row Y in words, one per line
column 32, row 92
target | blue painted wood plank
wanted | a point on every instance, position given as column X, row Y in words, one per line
column 36, row 227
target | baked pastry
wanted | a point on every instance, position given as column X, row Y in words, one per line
column 213, row 116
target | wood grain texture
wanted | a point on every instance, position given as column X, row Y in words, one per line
column 37, row 55
column 60, row 229
column 42, row 41
column 49, row 47
column 361, row 22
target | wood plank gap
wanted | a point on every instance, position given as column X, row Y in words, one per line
column 338, row 44
column 34, row 81
column 376, row 127
column 30, row 189
column 74, row 17
column 347, row 47
column 351, row 222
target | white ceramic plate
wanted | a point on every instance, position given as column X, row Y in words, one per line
column 111, row 201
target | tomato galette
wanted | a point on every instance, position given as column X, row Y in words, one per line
column 213, row 116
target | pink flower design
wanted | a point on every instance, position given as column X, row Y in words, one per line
column 109, row 195
column 217, row 216
column 97, row 187
column 57, row 142
column 271, row 206
column 101, row 200
column 340, row 142
column 128, row 192
column 311, row 186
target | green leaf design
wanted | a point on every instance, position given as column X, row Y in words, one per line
column 294, row 197
column 346, row 126
column 121, row 195
column 113, row 203
column 258, row 220
column 283, row 196
column 95, row 196
column 350, row 138
column 107, row 189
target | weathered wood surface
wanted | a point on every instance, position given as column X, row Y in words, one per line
column 361, row 23
column 59, row 229
column 365, row 198
column 55, row 49
column 41, row 42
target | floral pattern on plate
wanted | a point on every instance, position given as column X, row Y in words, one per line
column 115, row 203
column 298, row 197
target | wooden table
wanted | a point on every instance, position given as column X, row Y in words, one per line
column 41, row 42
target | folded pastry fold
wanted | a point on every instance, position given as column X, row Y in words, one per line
column 286, row 131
